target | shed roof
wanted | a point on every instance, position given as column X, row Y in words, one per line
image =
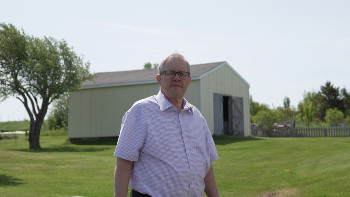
column 145, row 76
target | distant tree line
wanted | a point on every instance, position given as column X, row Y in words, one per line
column 326, row 107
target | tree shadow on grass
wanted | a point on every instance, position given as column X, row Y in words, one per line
column 6, row 180
column 223, row 140
column 94, row 141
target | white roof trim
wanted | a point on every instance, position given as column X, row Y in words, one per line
column 124, row 84
column 118, row 84
column 233, row 70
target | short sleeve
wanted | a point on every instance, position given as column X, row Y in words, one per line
column 132, row 134
column 213, row 154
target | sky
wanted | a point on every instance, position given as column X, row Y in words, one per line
column 280, row 47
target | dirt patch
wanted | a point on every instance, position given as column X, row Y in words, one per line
column 281, row 193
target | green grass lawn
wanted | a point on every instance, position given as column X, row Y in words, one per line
column 247, row 167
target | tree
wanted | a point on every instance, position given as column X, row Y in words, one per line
column 306, row 112
column 37, row 72
column 286, row 114
column 331, row 97
column 255, row 107
column 148, row 65
column 345, row 95
column 334, row 116
column 155, row 66
column 347, row 120
column 59, row 115
column 317, row 104
column 286, row 102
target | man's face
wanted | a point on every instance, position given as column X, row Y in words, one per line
column 174, row 87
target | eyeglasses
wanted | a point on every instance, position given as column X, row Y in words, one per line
column 172, row 74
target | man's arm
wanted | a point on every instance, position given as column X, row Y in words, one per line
column 210, row 184
column 122, row 175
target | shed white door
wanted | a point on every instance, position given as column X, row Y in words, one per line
column 218, row 114
column 237, row 116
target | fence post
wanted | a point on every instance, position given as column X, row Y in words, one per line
column 325, row 132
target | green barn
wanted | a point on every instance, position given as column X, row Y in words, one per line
column 216, row 89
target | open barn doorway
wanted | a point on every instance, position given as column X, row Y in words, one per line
column 226, row 104
column 228, row 115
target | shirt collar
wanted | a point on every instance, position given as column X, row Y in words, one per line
column 164, row 104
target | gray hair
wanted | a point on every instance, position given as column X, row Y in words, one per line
column 168, row 58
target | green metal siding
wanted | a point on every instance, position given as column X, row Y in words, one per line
column 193, row 93
column 98, row 112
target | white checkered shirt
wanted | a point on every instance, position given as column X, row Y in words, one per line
column 172, row 151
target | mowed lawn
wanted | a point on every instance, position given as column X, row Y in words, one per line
column 247, row 167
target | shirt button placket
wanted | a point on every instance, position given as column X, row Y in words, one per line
column 187, row 149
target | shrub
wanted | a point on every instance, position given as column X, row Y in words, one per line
column 58, row 117
column 266, row 119
column 347, row 120
column 334, row 116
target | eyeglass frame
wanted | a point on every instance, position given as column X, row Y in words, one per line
column 176, row 73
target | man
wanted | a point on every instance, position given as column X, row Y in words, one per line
column 165, row 147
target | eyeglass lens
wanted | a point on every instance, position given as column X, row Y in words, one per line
column 171, row 73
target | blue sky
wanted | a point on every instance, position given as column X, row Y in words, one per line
column 281, row 47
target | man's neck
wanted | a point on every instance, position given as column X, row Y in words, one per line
column 177, row 102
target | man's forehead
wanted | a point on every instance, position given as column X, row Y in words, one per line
column 176, row 63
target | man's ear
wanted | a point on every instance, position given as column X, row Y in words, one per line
column 158, row 78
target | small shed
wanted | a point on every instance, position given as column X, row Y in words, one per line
column 216, row 89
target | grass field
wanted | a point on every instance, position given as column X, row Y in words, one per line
column 15, row 126
column 247, row 167
column 25, row 125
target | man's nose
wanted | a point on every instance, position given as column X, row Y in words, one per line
column 176, row 76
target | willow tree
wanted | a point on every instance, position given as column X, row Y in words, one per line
column 37, row 71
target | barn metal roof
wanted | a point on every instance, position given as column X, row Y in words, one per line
column 145, row 76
